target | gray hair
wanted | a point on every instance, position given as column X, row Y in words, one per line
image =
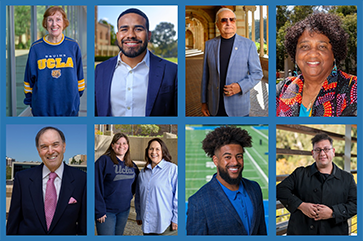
column 224, row 9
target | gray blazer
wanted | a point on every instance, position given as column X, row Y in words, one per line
column 244, row 68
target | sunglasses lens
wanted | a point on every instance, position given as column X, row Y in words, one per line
column 224, row 20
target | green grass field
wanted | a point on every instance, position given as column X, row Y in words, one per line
column 200, row 168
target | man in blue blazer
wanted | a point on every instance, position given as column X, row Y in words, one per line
column 231, row 69
column 29, row 212
column 228, row 204
column 135, row 82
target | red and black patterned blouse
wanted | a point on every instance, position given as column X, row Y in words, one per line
column 337, row 97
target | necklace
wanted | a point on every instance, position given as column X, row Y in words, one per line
column 312, row 100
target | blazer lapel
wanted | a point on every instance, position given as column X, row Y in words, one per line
column 156, row 73
column 235, row 49
column 64, row 195
column 254, row 201
column 36, row 193
column 222, row 197
column 217, row 46
column 108, row 80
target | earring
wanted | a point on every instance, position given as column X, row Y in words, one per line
column 296, row 70
column 334, row 72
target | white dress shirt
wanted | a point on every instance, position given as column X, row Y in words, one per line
column 129, row 88
column 57, row 180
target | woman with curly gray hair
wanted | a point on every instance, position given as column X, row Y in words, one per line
column 317, row 44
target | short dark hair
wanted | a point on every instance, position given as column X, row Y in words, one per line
column 110, row 152
column 137, row 11
column 43, row 130
column 165, row 152
column 223, row 136
column 323, row 23
column 321, row 137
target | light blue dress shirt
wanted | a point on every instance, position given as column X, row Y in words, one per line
column 242, row 203
column 156, row 198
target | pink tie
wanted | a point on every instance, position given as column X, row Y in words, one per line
column 50, row 199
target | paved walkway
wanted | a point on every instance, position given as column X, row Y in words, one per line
column 194, row 71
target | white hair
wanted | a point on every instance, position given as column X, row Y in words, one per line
column 224, row 9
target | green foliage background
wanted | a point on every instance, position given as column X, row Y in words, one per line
column 287, row 16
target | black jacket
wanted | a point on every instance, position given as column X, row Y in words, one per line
column 339, row 192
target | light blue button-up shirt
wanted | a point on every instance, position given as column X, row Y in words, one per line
column 156, row 198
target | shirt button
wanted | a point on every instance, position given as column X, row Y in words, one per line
column 130, row 72
column 129, row 89
column 128, row 108
column 311, row 226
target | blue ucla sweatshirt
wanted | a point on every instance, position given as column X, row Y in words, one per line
column 53, row 79
column 114, row 186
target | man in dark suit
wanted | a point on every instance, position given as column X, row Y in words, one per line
column 135, row 82
column 50, row 198
column 228, row 204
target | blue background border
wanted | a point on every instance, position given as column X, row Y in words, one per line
column 181, row 120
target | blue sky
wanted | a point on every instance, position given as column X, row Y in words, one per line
column 156, row 14
column 20, row 141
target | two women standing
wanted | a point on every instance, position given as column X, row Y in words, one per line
column 117, row 179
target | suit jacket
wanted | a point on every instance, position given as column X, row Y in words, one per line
column 244, row 68
column 211, row 213
column 161, row 94
column 27, row 215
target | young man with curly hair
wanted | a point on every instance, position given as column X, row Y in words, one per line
column 229, row 204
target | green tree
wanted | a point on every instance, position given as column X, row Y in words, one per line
column 138, row 129
column 22, row 25
column 73, row 161
column 163, row 40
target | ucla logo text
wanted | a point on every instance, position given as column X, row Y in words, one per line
column 52, row 63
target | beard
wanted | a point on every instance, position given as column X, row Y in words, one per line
column 223, row 173
column 132, row 52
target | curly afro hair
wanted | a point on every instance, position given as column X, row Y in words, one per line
column 223, row 136
column 323, row 23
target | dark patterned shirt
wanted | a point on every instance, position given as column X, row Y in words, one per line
column 337, row 97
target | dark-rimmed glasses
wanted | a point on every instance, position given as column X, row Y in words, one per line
column 318, row 150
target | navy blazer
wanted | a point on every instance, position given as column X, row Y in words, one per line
column 211, row 213
column 161, row 94
column 27, row 215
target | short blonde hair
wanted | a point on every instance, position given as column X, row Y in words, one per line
column 51, row 11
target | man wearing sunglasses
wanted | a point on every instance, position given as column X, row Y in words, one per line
column 231, row 69
column 320, row 197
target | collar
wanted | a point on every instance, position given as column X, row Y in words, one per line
column 145, row 60
column 45, row 39
column 233, row 194
column 59, row 171
column 161, row 164
column 334, row 173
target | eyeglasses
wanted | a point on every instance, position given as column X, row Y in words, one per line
column 225, row 20
column 318, row 150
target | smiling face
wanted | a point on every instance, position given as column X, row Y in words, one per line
column 132, row 35
column 323, row 160
column 51, row 149
column 120, row 147
column 226, row 27
column 314, row 56
column 155, row 153
column 55, row 25
column 229, row 162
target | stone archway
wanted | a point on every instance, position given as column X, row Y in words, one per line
column 189, row 39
